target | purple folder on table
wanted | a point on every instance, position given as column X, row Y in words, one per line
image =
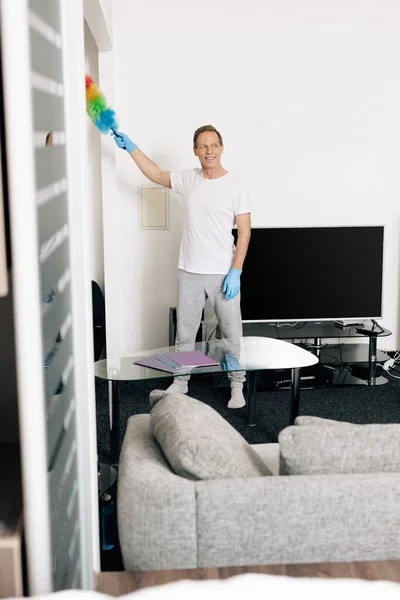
column 154, row 363
column 192, row 359
column 165, row 359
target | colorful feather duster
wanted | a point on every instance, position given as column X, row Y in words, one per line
column 97, row 108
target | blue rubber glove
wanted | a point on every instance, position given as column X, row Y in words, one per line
column 123, row 141
column 231, row 285
column 230, row 363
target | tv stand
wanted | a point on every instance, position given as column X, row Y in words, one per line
column 361, row 356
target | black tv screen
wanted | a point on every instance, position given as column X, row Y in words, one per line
column 313, row 273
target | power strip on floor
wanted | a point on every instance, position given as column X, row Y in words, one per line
column 388, row 364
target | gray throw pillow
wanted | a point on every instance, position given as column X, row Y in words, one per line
column 197, row 442
column 316, row 450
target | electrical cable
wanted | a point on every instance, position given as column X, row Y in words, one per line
column 296, row 325
column 394, row 376
column 346, row 371
column 375, row 324
column 319, row 346
column 212, row 333
column 391, row 364
column 338, row 360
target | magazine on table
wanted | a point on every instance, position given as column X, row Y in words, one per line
column 177, row 362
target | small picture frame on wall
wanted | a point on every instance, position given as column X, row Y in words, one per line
column 153, row 207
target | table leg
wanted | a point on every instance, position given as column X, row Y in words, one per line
column 251, row 397
column 114, row 423
column 372, row 360
column 294, row 395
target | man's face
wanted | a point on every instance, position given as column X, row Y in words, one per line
column 208, row 149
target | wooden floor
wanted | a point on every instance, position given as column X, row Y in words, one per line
column 121, row 582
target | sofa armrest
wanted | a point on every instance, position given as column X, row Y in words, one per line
column 156, row 508
column 298, row 519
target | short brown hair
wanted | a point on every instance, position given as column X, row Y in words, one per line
column 202, row 130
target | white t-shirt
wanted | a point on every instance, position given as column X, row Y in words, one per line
column 211, row 206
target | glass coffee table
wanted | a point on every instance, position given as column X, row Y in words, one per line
column 256, row 354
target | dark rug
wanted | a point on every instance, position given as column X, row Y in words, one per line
column 354, row 403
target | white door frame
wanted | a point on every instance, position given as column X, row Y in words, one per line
column 99, row 21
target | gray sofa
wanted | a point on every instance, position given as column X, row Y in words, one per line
column 167, row 521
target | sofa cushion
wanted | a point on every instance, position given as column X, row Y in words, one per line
column 197, row 442
column 309, row 420
column 316, row 450
column 269, row 454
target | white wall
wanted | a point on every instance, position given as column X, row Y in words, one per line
column 306, row 95
column 94, row 226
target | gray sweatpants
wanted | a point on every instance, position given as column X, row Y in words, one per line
column 193, row 290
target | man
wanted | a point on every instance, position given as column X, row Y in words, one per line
column 209, row 265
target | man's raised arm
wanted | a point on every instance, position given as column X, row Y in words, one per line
column 147, row 166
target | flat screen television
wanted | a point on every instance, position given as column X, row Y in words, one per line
column 313, row 273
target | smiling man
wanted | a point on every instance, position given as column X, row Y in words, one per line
column 209, row 264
